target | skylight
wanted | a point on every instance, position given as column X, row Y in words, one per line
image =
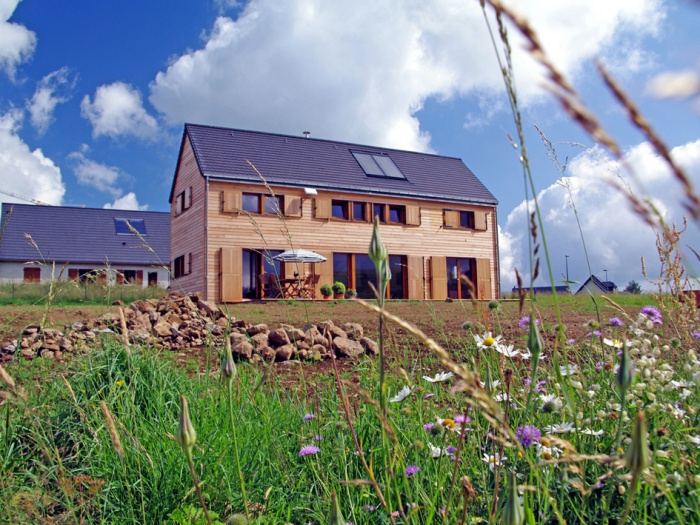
column 378, row 165
column 121, row 226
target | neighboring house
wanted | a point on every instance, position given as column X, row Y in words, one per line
column 85, row 244
column 595, row 286
column 438, row 220
column 561, row 289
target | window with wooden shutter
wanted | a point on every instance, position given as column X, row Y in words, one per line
column 323, row 208
column 483, row 279
column 292, row 206
column 230, row 275
column 414, row 265
column 480, row 221
column 438, row 274
column 451, row 219
column 73, row 274
column 139, row 277
column 32, row 275
column 231, row 201
column 413, row 215
column 187, row 198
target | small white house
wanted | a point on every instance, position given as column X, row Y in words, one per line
column 44, row 243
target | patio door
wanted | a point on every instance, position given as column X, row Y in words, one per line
column 255, row 263
column 461, row 280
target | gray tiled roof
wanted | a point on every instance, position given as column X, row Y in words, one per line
column 81, row 235
column 223, row 153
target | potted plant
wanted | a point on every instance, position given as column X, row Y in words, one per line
column 338, row 290
column 350, row 294
column 326, row 291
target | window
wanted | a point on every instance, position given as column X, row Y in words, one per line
column 340, row 210
column 32, row 275
column 460, row 278
column 466, row 219
column 262, row 204
column 378, row 210
column 129, row 276
column 254, row 264
column 349, row 211
column 183, row 201
column 182, row 265
column 357, row 271
column 377, row 165
column 397, row 214
column 121, row 226
column 359, row 211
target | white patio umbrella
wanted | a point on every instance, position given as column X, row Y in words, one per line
column 302, row 256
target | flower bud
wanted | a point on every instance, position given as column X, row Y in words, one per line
column 228, row 367
column 237, row 519
column 637, row 455
column 534, row 341
column 186, row 434
column 513, row 513
column 377, row 249
column 624, row 371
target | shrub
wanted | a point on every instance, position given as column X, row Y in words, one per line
column 326, row 290
column 338, row 287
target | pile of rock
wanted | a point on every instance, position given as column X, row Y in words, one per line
column 180, row 322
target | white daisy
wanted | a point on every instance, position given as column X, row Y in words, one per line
column 439, row 378
column 487, row 340
column 615, row 343
column 550, row 403
column 526, row 354
column 559, row 428
column 436, row 452
column 567, row 370
column 403, row 394
column 547, row 453
column 590, row 432
column 494, row 384
column 695, row 440
column 508, row 351
column 494, row 460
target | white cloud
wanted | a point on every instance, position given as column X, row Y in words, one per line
column 360, row 72
column 127, row 202
column 17, row 43
column 51, row 90
column 117, row 110
column 615, row 237
column 23, row 172
column 96, row 175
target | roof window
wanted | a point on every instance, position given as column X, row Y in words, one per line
column 121, row 226
column 378, row 165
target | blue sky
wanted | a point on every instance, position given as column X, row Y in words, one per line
column 93, row 98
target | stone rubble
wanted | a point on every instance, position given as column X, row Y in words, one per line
column 181, row 323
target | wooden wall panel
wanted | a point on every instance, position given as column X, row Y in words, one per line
column 328, row 236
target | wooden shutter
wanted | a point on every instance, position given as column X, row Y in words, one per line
column 480, row 220
column 413, row 215
column 231, row 201
column 120, row 276
column 451, row 219
column 483, row 279
column 231, row 275
column 414, row 265
column 188, row 197
column 325, row 270
column 189, row 264
column 72, row 274
column 139, row 277
column 438, row 271
column 323, row 208
column 178, row 204
column 292, row 206
column 32, row 275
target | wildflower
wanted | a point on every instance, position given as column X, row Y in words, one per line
column 614, row 343
column 307, row 417
column 228, row 367
column 546, row 452
column 676, row 413
column 624, row 372
column 508, row 351
column 695, row 440
column 590, row 432
column 428, row 396
column 309, row 450
column 411, row 470
column 436, row 452
column 696, row 335
column 527, row 435
column 377, row 249
column 559, row 428
column 450, row 449
column 448, row 423
column 525, row 321
column 550, row 403
column 637, row 455
column 428, row 427
column 403, row 394
column 439, row 378
column 494, row 460
column 462, row 419
column 318, row 438
column 368, row 508
column 596, row 333
column 652, row 314
column 119, row 382
column 487, row 341
column 567, row 370
column 513, row 513
column 614, row 321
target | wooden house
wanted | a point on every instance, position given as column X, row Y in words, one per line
column 43, row 243
column 240, row 197
column 594, row 286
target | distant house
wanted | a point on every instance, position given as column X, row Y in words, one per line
column 595, row 286
column 536, row 290
column 87, row 243
column 437, row 219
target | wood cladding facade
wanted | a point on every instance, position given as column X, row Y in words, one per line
column 215, row 230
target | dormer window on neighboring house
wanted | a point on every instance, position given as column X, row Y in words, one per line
column 121, row 226
column 377, row 165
